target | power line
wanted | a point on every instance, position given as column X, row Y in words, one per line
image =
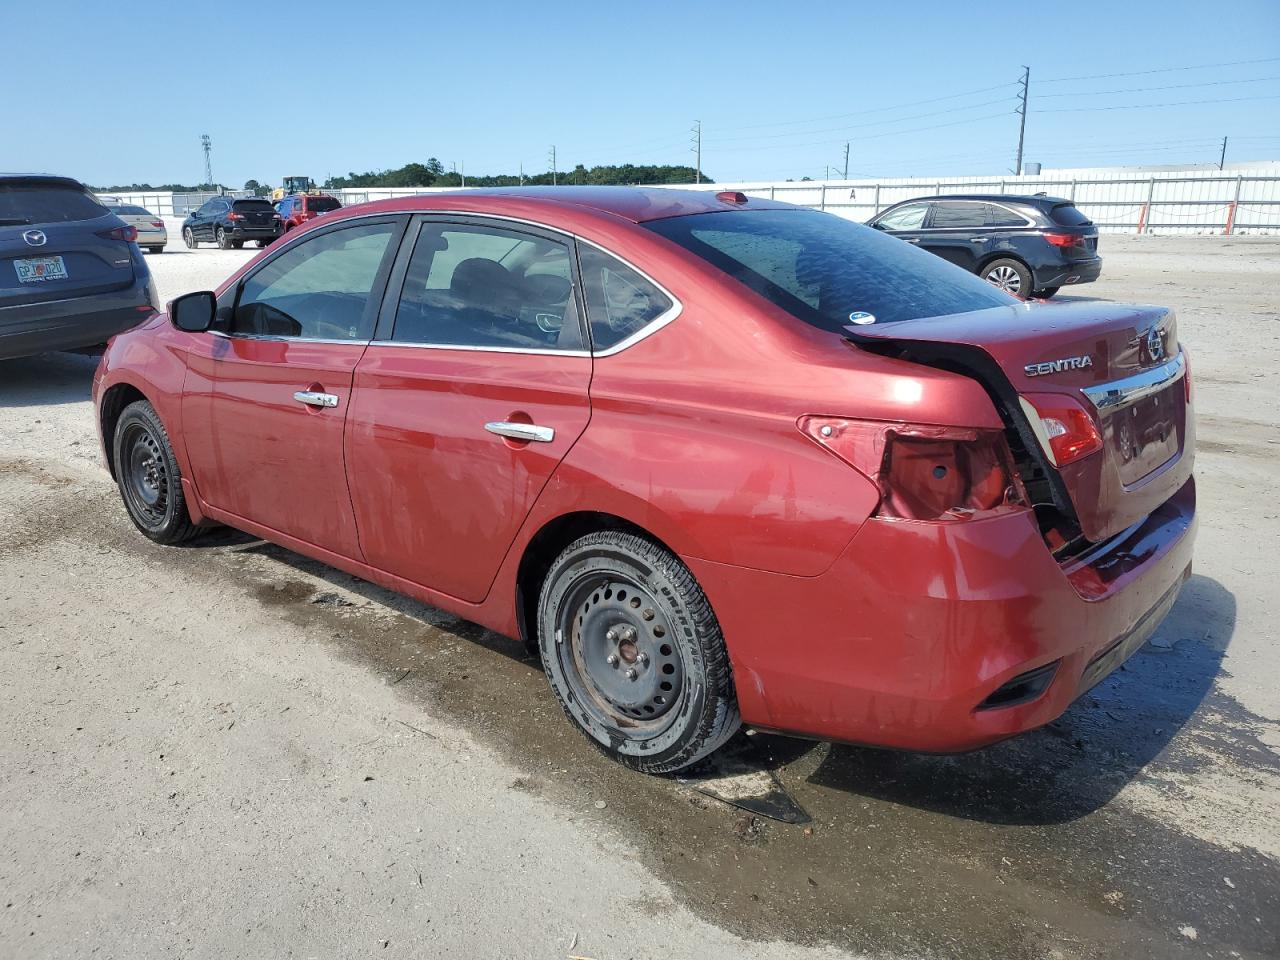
column 871, row 123
column 875, row 136
column 1143, row 73
column 1172, row 86
column 1144, row 106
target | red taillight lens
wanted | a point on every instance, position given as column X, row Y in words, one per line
column 1072, row 432
column 127, row 233
column 923, row 472
column 157, row 223
column 235, row 216
column 1062, row 239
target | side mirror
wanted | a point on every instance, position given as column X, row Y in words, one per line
column 193, row 312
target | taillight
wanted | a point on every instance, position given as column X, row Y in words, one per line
column 1186, row 374
column 157, row 223
column 128, row 233
column 923, row 472
column 1062, row 239
column 235, row 216
column 1070, row 428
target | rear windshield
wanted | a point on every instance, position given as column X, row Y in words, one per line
column 46, row 203
column 822, row 268
column 128, row 211
column 1069, row 215
column 254, row 205
column 322, row 204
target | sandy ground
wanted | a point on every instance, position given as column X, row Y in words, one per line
column 227, row 750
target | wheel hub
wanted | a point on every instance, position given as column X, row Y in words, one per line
column 623, row 651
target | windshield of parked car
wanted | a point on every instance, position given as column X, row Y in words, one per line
column 828, row 271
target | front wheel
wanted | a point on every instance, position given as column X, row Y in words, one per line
column 189, row 238
column 1009, row 275
column 634, row 653
column 148, row 476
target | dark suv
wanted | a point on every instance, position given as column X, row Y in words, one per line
column 229, row 222
column 1027, row 246
column 71, row 273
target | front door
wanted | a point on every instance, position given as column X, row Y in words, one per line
column 474, row 391
column 267, row 395
column 957, row 231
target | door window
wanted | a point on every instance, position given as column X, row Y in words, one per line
column 318, row 290
column 620, row 302
column 1001, row 216
column 957, row 215
column 470, row 285
column 910, row 217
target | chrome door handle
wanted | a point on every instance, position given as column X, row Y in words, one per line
column 313, row 399
column 977, row 239
column 911, row 239
column 521, row 431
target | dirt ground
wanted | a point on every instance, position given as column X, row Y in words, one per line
column 227, row 750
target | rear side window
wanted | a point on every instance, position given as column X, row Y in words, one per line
column 323, row 204
column 1069, row 215
column 822, row 268
column 958, row 216
column 252, row 205
column 620, row 302
column 1000, row 216
column 36, row 202
column 318, row 289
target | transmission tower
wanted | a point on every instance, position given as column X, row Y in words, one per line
column 1022, row 125
column 207, row 145
column 696, row 146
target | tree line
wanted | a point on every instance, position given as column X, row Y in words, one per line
column 433, row 174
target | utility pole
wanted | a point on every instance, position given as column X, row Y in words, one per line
column 1022, row 126
column 207, row 144
column 697, row 150
column 553, row 164
column 1223, row 159
column 464, row 173
column 846, row 160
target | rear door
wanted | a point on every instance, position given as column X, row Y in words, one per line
column 267, row 395
column 957, row 231
column 474, row 390
column 55, row 243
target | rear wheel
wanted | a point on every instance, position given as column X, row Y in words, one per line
column 155, row 249
column 634, row 653
column 189, row 238
column 263, row 243
column 224, row 242
column 1009, row 275
column 238, row 244
column 1046, row 293
column 148, row 476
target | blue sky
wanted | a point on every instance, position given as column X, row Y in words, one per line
column 334, row 87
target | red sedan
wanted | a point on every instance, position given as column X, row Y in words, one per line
column 721, row 460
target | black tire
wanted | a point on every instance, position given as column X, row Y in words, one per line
column 155, row 249
column 263, row 243
column 1009, row 275
column 189, row 238
column 148, row 476
column 237, row 244
column 1046, row 293
column 666, row 698
column 220, row 236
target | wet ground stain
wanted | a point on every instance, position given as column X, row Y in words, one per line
column 1016, row 851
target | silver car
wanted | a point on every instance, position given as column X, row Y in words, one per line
column 152, row 235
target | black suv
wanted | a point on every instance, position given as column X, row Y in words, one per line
column 71, row 273
column 229, row 223
column 1027, row 246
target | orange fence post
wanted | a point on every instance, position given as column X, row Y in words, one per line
column 1231, row 219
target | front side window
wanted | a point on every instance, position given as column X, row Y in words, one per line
column 910, row 217
column 620, row 302
column 822, row 268
column 469, row 285
column 318, row 290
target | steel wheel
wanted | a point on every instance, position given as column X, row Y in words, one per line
column 144, row 475
column 622, row 664
column 188, row 238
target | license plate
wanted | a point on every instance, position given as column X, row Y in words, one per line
column 39, row 269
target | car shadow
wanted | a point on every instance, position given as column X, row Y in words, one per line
column 1124, row 727
column 48, row 378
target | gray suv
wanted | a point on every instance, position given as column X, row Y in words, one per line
column 71, row 272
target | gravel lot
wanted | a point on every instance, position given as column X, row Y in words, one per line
column 228, row 750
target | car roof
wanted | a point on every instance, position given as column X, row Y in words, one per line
column 43, row 177
column 1036, row 200
column 637, row 204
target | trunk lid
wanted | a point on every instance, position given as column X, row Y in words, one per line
column 256, row 213
column 1123, row 363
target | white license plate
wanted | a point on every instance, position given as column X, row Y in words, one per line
column 39, row 269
